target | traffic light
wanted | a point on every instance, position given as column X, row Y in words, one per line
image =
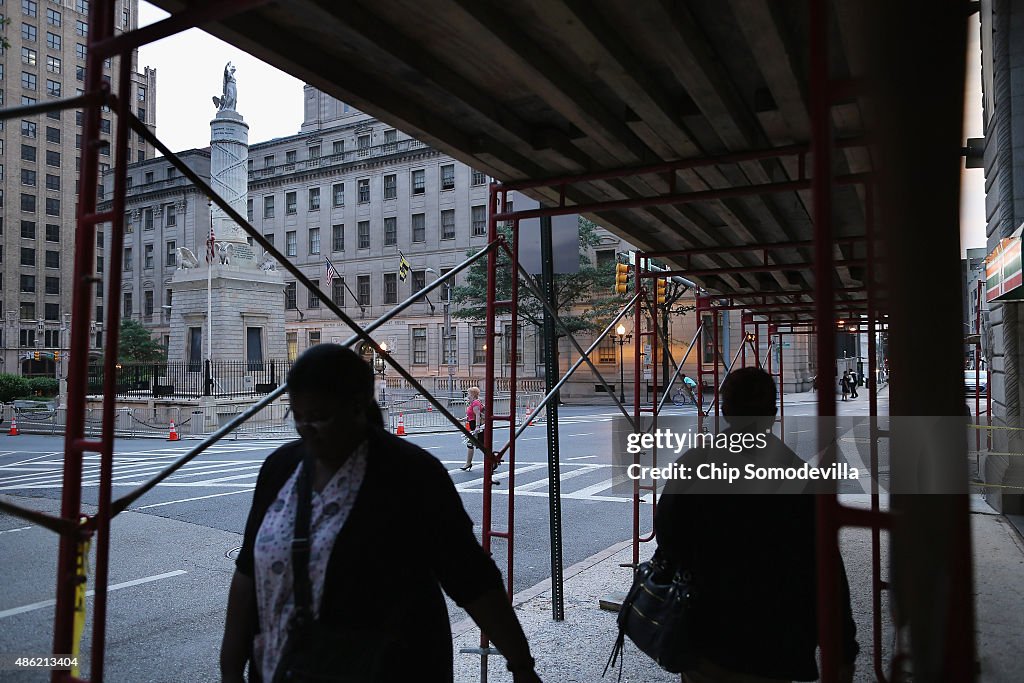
column 621, row 275
column 35, row 355
column 661, row 290
column 56, row 356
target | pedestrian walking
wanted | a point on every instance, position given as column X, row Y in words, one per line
column 474, row 422
column 844, row 384
column 351, row 537
column 751, row 558
column 853, row 384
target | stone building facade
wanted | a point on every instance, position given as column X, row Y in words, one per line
column 39, row 169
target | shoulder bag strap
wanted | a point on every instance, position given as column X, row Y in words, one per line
column 301, row 540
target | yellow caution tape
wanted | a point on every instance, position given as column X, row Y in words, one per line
column 81, row 574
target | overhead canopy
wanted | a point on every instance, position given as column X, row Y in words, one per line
column 543, row 89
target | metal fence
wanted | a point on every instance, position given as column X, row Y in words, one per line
column 192, row 380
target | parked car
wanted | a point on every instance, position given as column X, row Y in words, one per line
column 971, row 380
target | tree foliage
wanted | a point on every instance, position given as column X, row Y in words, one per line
column 584, row 300
column 136, row 345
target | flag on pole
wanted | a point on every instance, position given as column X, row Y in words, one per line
column 332, row 272
column 209, row 245
column 403, row 268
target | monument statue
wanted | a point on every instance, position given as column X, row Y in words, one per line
column 229, row 94
column 186, row 259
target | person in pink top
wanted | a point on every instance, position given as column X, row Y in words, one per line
column 474, row 419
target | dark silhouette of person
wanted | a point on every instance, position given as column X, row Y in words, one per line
column 387, row 532
column 751, row 550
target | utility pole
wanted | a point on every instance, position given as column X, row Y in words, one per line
column 451, row 355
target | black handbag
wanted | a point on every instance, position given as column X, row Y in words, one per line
column 317, row 652
column 658, row 616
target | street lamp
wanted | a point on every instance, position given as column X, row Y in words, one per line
column 621, row 338
column 380, row 366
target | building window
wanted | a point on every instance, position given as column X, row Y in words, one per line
column 311, row 299
column 268, row 206
column 53, row 134
column 419, row 346
column 28, row 33
column 52, row 182
column 364, row 290
column 127, row 258
column 53, row 64
column 126, row 310
column 28, row 129
column 314, row 241
column 80, row 51
column 53, row 285
column 479, row 220
column 289, row 296
column 419, row 281
column 337, row 238
column 507, row 334
column 479, row 344
column 390, row 186
column 52, row 158
column 147, row 256
column 364, row 190
column 51, row 312
column 363, row 143
column 292, row 340
column 390, row 288
column 28, row 312
column 314, row 199
column 290, row 203
column 363, row 234
column 53, row 88
column 82, row 6
column 291, row 243
column 448, row 177
column 419, row 227
column 171, row 215
column 338, row 292
column 28, row 153
column 28, row 203
column 268, row 161
column 418, row 181
column 171, row 255
column 28, row 177
column 289, row 156
column 52, row 232
column 147, row 219
column 606, row 351
column 390, row 138
column 28, row 283
column 448, row 224
column 28, row 56
column 53, row 41
column 147, row 304
column 338, row 191
column 28, row 81
column 390, row 231
column 479, row 177
column 339, row 147
column 28, row 230
column 254, row 348
column 29, row 8
column 449, row 347
column 27, row 337
column 52, row 206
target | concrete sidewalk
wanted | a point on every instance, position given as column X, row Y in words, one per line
column 576, row 649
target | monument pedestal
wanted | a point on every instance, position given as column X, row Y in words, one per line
column 248, row 311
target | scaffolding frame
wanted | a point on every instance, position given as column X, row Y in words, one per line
column 73, row 530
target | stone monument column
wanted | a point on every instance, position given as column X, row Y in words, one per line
column 229, row 173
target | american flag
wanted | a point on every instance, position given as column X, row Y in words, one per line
column 331, row 272
column 209, row 245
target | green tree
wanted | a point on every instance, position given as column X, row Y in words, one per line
column 584, row 300
column 137, row 346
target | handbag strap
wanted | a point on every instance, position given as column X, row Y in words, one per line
column 301, row 542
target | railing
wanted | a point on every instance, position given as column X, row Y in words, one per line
column 192, row 379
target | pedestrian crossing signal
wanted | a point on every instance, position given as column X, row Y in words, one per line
column 621, row 276
column 661, row 290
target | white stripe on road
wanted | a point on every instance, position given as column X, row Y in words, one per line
column 188, row 500
column 117, row 586
column 11, row 531
column 581, row 457
column 542, row 483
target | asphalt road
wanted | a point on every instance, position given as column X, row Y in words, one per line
column 171, row 560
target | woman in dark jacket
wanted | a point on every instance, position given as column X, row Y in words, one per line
column 388, row 531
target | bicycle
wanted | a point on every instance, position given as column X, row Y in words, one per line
column 684, row 395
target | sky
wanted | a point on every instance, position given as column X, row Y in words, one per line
column 190, row 67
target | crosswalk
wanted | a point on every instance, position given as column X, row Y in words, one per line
column 234, row 468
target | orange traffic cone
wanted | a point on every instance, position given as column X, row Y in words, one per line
column 13, row 431
column 401, row 425
column 173, row 436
